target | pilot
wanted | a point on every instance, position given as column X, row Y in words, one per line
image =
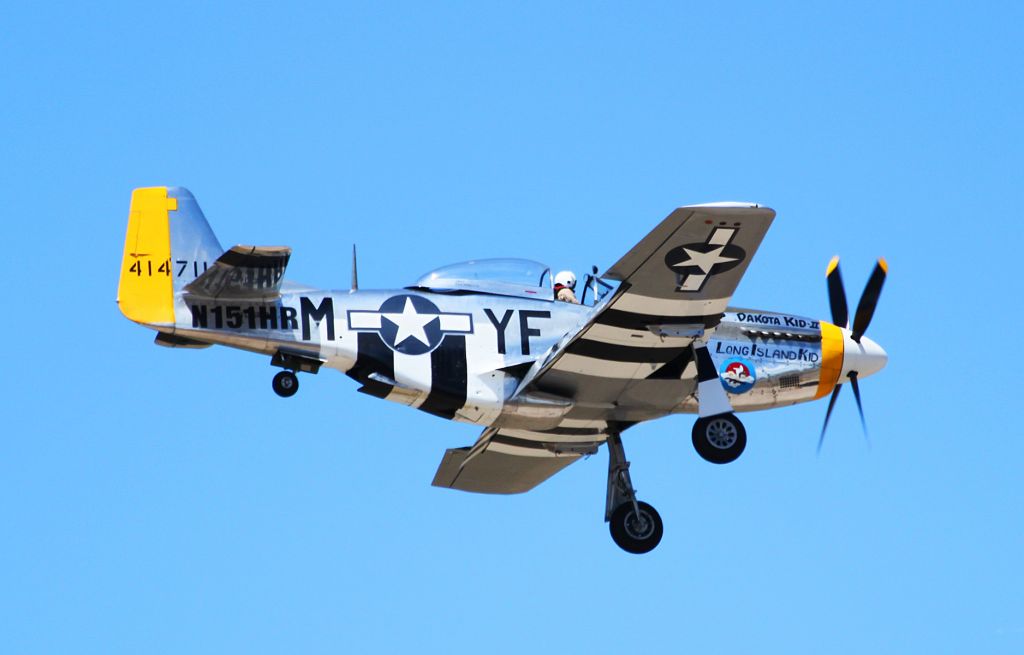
column 565, row 283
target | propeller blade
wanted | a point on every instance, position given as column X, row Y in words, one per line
column 869, row 299
column 860, row 408
column 828, row 414
column 836, row 294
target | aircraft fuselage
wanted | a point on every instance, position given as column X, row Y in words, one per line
column 461, row 356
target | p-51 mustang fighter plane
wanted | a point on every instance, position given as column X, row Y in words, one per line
column 485, row 342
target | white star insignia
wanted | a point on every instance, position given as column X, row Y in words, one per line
column 410, row 324
column 705, row 260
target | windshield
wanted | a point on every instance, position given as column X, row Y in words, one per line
column 517, row 277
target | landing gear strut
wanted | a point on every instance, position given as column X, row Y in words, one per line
column 635, row 526
column 286, row 384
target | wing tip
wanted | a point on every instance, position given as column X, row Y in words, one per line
column 726, row 204
column 731, row 208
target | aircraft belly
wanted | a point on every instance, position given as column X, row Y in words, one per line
column 252, row 343
column 484, row 398
column 413, row 375
column 486, row 385
column 615, row 399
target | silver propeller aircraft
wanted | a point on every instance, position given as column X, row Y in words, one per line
column 486, row 342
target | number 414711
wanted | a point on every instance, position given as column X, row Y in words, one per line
column 147, row 268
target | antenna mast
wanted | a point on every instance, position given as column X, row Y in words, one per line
column 355, row 273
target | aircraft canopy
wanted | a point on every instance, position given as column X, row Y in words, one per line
column 505, row 277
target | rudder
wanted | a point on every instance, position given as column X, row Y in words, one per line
column 167, row 245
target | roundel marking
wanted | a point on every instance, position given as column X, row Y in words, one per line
column 702, row 258
column 409, row 324
column 738, row 375
column 695, row 263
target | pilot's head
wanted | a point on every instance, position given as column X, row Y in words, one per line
column 565, row 279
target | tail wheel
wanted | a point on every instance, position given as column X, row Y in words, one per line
column 285, row 384
column 719, row 439
column 633, row 532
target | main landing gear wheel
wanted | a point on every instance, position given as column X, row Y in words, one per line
column 636, row 532
column 635, row 526
column 719, row 439
column 286, row 384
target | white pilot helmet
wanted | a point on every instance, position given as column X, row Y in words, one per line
column 566, row 279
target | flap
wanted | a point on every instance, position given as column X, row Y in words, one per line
column 501, row 464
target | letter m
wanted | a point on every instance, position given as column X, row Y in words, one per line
column 324, row 311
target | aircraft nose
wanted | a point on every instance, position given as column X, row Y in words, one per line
column 865, row 358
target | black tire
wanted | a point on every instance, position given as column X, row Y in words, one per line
column 286, row 384
column 719, row 439
column 635, row 536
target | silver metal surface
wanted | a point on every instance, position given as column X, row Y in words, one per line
column 484, row 342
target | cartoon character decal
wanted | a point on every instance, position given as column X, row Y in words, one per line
column 737, row 375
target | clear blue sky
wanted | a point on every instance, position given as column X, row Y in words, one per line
column 157, row 501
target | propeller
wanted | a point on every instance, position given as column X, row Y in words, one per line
column 836, row 294
column 868, row 299
column 872, row 353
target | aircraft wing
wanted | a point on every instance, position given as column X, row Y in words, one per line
column 632, row 360
column 509, row 461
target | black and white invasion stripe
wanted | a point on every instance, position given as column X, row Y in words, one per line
column 375, row 368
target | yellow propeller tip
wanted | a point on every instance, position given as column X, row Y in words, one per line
column 884, row 265
column 832, row 264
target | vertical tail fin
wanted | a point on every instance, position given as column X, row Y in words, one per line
column 194, row 247
column 168, row 244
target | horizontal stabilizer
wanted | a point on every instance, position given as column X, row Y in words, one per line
column 498, row 464
column 244, row 272
column 177, row 341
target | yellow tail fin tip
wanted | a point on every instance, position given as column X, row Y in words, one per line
column 145, row 291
